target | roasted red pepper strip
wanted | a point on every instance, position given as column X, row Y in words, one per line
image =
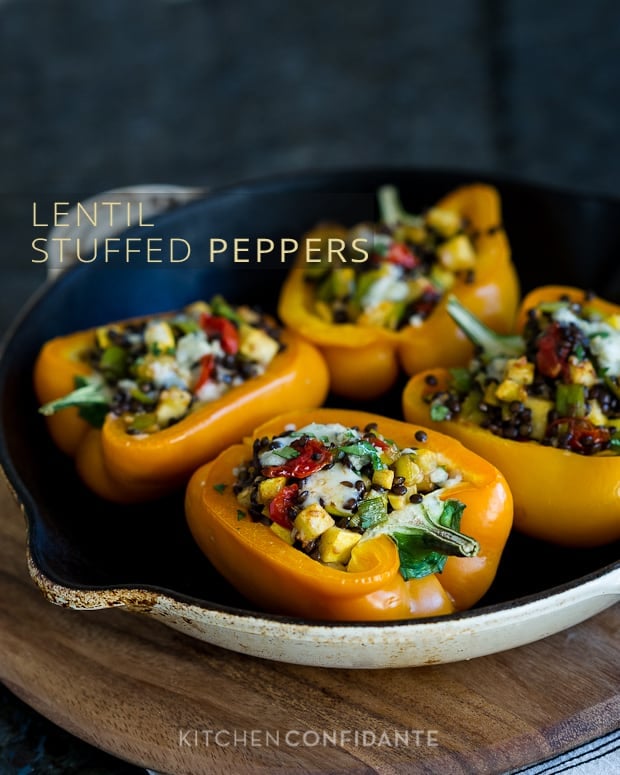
column 207, row 365
column 125, row 468
column 561, row 497
column 552, row 354
column 313, row 455
column 401, row 255
column 579, row 430
column 229, row 336
column 282, row 579
column 365, row 360
column 281, row 504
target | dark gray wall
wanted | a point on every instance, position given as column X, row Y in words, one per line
column 101, row 94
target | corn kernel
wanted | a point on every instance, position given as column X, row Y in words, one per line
column 384, row 477
column 443, row 221
column 336, row 545
column 581, row 373
column 269, row 488
column 409, row 470
column 311, row 522
column 397, row 501
column 426, row 460
column 257, row 344
column 520, row 370
column 457, row 253
column 509, row 390
column 282, row 532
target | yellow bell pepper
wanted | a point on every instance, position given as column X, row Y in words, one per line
column 279, row 577
column 125, row 467
column 561, row 496
column 364, row 358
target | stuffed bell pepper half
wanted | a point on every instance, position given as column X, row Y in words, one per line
column 374, row 300
column 343, row 515
column 142, row 403
column 544, row 407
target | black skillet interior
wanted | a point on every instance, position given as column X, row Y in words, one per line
column 82, row 542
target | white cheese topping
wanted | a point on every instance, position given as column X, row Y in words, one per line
column 388, row 287
column 607, row 351
column 330, row 433
column 325, row 486
column 165, row 375
column 604, row 339
column 191, row 348
column 211, row 390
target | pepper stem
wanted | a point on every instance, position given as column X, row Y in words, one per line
column 415, row 525
column 446, row 540
column 491, row 343
column 392, row 213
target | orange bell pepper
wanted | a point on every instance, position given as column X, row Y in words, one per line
column 365, row 360
column 127, row 468
column 279, row 577
column 560, row 496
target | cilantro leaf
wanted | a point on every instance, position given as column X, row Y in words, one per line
column 423, row 550
column 90, row 397
column 288, row 453
column 365, row 449
column 416, row 559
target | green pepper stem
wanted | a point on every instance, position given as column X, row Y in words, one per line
column 222, row 308
column 448, row 541
column 391, row 211
column 436, row 537
column 491, row 343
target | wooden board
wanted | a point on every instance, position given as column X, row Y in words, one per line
column 157, row 698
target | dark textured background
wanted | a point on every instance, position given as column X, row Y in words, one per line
column 99, row 95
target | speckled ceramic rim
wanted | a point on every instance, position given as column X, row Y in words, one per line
column 327, row 644
column 427, row 641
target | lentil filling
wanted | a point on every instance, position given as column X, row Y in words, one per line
column 154, row 372
column 559, row 384
column 412, row 261
column 324, row 488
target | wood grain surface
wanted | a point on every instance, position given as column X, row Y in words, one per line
column 157, row 698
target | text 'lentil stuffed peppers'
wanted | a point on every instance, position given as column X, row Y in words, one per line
column 373, row 318
column 142, row 403
column 343, row 515
column 544, row 407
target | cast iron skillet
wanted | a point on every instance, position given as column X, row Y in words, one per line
column 85, row 553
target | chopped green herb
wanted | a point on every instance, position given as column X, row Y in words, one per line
column 439, row 412
column 219, row 488
column 91, row 398
column 113, row 362
column 240, row 515
column 579, row 351
column 424, row 548
column 363, row 449
column 461, row 379
column 288, row 453
column 371, row 512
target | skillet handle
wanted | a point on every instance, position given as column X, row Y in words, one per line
column 134, row 205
